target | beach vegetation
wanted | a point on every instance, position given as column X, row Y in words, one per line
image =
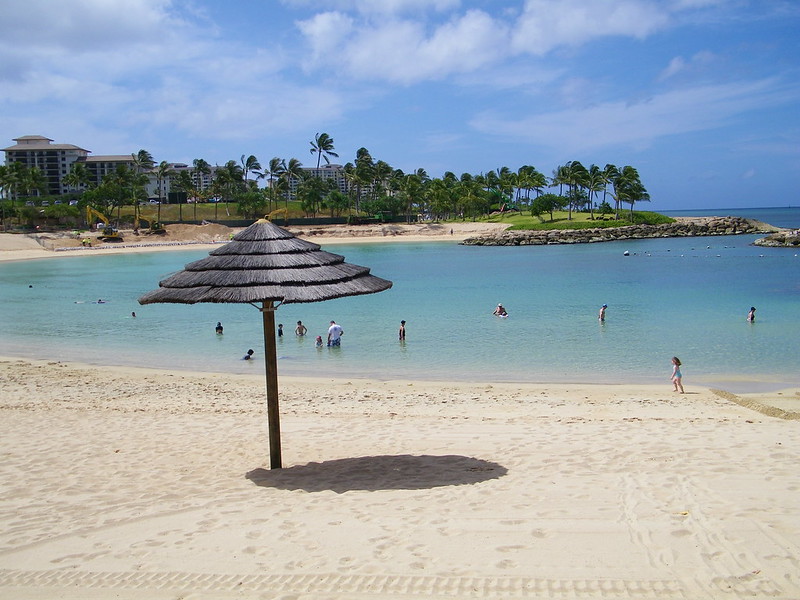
column 562, row 219
column 366, row 188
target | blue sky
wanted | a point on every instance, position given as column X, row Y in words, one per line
column 701, row 96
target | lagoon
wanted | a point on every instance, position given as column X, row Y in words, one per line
column 682, row 296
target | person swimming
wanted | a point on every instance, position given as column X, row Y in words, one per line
column 500, row 311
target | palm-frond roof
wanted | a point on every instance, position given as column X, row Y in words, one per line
column 266, row 263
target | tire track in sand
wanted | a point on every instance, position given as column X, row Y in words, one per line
column 351, row 586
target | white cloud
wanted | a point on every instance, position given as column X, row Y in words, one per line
column 379, row 7
column 81, row 25
column 676, row 65
column 638, row 124
column 400, row 50
column 696, row 63
column 326, row 33
column 390, row 41
column 548, row 24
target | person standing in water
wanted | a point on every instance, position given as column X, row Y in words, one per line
column 300, row 329
column 335, row 333
column 676, row 374
column 402, row 332
column 601, row 316
column 218, row 328
column 751, row 316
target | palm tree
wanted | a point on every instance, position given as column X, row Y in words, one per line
column 229, row 181
column 381, row 174
column 322, row 146
column 116, row 189
column 440, row 196
column 594, row 181
column 538, row 182
column 250, row 165
column 142, row 163
column 364, row 165
column 185, row 183
column 525, row 182
column 34, row 181
column 78, row 176
column 472, row 198
column 162, row 172
column 274, row 171
column 628, row 187
column 559, row 178
column 200, row 168
column 574, row 175
column 6, row 181
column 506, row 182
column 610, row 173
column 293, row 170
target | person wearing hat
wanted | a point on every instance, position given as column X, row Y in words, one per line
column 601, row 316
column 500, row 311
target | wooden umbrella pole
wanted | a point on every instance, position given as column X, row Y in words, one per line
column 271, row 366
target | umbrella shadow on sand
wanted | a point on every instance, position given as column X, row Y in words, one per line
column 385, row 472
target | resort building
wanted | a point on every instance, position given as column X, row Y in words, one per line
column 330, row 172
column 100, row 166
column 53, row 160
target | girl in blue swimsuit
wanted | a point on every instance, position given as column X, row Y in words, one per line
column 676, row 374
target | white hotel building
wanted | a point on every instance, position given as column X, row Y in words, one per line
column 55, row 162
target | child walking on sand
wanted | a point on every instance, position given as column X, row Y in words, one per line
column 676, row 374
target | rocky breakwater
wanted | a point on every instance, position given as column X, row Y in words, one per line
column 682, row 227
column 788, row 238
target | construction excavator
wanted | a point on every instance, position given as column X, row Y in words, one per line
column 152, row 225
column 109, row 234
column 277, row 213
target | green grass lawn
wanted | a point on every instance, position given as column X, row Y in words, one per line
column 580, row 220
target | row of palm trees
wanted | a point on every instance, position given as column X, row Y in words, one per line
column 17, row 179
column 372, row 186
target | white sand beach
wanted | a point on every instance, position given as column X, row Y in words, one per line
column 178, row 237
column 139, row 484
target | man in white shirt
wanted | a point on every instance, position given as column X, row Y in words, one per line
column 335, row 333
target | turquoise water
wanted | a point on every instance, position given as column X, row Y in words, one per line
column 686, row 297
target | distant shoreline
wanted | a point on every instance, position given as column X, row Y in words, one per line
column 180, row 237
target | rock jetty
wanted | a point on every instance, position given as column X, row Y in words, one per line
column 682, row 227
column 782, row 239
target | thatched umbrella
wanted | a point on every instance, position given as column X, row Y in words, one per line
column 267, row 266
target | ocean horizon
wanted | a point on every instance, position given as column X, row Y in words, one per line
column 676, row 296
